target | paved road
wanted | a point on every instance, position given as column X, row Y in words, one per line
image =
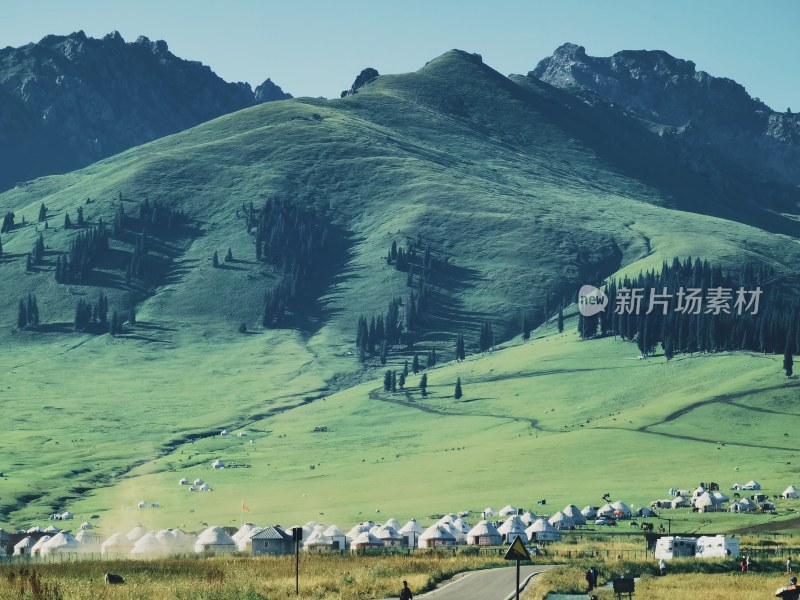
column 491, row 584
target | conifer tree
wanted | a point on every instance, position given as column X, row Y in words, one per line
column 460, row 351
column 458, row 393
column 560, row 320
column 229, row 255
column 405, row 369
column 132, row 315
column 1, row 248
column 423, row 384
column 415, row 364
column 526, row 328
column 394, row 382
column 401, row 380
column 28, row 263
column 67, row 222
column 215, row 260
column 387, row 381
column 42, row 212
column 80, row 216
column 788, row 363
column 22, row 316
column 384, row 351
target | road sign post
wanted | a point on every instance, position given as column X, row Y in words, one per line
column 297, row 536
column 517, row 552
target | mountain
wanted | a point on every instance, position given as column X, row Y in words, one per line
column 68, row 101
column 711, row 122
column 511, row 193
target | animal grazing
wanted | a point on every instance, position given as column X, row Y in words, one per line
column 633, row 524
column 113, row 579
column 646, row 526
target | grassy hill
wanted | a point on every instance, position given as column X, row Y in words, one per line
column 527, row 191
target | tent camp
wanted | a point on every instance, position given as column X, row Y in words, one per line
column 621, row 510
column 743, row 505
column 751, row 485
column 88, row 541
column 484, row 534
column 215, row 540
column 707, row 502
column 218, row 464
column 318, row 542
column 790, row 493
column 337, row 537
column 542, row 531
column 36, row 549
column 393, row 523
column 242, row 535
column 437, row 535
column 136, row 533
column 489, row 512
column 528, row 517
column 589, row 512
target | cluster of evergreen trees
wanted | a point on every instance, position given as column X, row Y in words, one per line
column 486, row 337
column 681, row 325
column 36, row 255
column 28, row 313
column 392, row 382
column 90, row 316
column 290, row 236
column 160, row 215
column 85, row 249
column 378, row 334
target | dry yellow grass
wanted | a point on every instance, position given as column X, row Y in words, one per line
column 237, row 578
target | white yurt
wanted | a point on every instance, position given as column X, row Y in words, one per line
column 390, row 537
column 36, row 549
column 489, row 512
column 751, row 485
column 513, row 528
column 360, row 528
column 198, row 482
column 680, row 502
column 142, row 504
column 719, row 497
column 561, row 521
column 51, row 529
column 183, row 481
column 590, row 512
column 215, row 540
column 574, row 513
column 337, row 537
column 148, row 545
column 698, row 491
column 542, row 531
column 136, row 533
column 317, row 541
column 116, row 544
column 61, row 543
column 393, row 523
column 88, row 541
column 461, row 526
column 507, row 510
column 34, row 529
column 411, row 532
column 621, row 510
column 790, row 493
column 365, row 540
column 528, row 517
column 218, row 464
column 87, row 525
column 23, row 547
column 743, row 505
column 605, row 511
column 437, row 535
column 243, row 534
column 484, row 534
column 707, row 502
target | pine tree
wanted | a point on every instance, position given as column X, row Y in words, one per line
column 526, row 328
column 33, row 310
column 384, row 351
column 28, row 263
column 460, row 352
column 788, row 363
column 405, row 369
column 1, row 248
column 401, row 380
column 80, row 216
column 394, row 382
column 387, row 381
column 229, row 255
column 415, row 364
column 67, row 222
column 423, row 384
column 42, row 212
column 458, row 393
column 22, row 316
column 215, row 260
column 560, row 320
column 132, row 315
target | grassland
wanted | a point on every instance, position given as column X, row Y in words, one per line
column 527, row 191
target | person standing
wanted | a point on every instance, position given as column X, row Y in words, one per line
column 406, row 594
column 789, row 564
column 743, row 564
column 662, row 567
column 747, row 561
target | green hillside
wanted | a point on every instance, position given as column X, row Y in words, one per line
column 526, row 191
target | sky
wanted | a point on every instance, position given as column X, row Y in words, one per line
column 316, row 47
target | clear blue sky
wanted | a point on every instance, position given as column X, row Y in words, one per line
column 317, row 47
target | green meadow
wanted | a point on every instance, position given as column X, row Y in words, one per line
column 527, row 192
